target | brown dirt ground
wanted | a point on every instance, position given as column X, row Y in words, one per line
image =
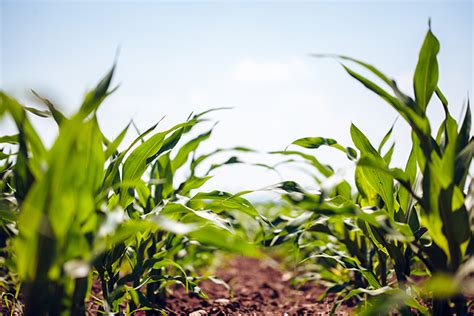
column 258, row 289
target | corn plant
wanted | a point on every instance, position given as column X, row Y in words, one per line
column 84, row 210
column 400, row 222
column 443, row 161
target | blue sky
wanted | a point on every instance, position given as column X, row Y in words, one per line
column 179, row 57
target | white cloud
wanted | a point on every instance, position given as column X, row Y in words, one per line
column 262, row 72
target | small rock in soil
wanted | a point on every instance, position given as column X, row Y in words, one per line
column 200, row 312
column 222, row 301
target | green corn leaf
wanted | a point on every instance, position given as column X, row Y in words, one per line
column 388, row 155
column 94, row 98
column 191, row 184
column 113, row 170
column 197, row 116
column 139, row 159
column 410, row 112
column 350, row 263
column 379, row 181
column 425, row 79
column 369, row 67
column 442, row 286
column 442, row 98
column 386, row 138
column 166, row 176
column 365, row 190
column 316, row 142
column 196, row 161
column 113, row 146
column 37, row 112
column 462, row 164
column 464, row 150
column 465, row 131
column 224, row 240
column 220, row 201
column 57, row 115
column 386, row 300
column 61, row 198
column 18, row 114
column 323, row 169
column 404, row 194
column 7, row 214
column 9, row 139
column 230, row 161
column 185, row 150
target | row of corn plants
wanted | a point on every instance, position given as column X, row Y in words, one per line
column 401, row 236
column 85, row 211
column 92, row 210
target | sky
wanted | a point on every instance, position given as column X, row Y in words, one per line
column 181, row 57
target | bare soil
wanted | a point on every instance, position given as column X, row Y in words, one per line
column 258, row 289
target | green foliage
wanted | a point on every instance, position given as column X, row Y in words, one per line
column 396, row 222
column 86, row 210
column 91, row 209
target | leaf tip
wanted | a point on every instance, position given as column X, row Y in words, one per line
column 117, row 55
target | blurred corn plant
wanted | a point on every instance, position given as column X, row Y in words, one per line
column 401, row 224
column 85, row 211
